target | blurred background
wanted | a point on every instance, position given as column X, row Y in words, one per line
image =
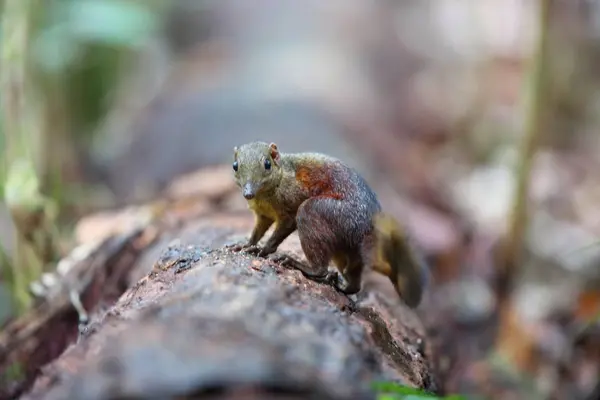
column 476, row 121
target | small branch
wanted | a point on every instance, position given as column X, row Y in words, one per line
column 514, row 342
column 535, row 94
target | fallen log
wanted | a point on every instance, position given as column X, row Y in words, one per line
column 199, row 321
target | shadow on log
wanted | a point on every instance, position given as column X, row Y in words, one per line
column 199, row 321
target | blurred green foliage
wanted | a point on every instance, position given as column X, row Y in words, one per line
column 72, row 58
column 78, row 49
column 87, row 43
column 395, row 391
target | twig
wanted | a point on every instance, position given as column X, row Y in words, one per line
column 535, row 93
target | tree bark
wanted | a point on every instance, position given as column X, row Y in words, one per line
column 199, row 321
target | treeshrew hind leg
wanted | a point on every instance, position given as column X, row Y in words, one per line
column 317, row 237
column 306, row 269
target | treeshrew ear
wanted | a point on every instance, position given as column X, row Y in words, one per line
column 235, row 152
column 274, row 152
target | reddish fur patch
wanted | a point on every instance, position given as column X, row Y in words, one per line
column 317, row 180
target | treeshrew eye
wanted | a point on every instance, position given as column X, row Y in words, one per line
column 235, row 165
column 267, row 164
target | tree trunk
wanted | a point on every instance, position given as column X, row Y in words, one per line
column 199, row 321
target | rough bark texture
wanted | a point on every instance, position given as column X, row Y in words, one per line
column 199, row 321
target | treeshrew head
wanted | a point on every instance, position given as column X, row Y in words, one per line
column 256, row 168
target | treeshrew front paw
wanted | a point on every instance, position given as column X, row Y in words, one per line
column 235, row 247
column 265, row 251
column 253, row 249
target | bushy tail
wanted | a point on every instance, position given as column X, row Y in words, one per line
column 397, row 258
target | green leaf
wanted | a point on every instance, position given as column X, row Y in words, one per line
column 397, row 388
column 395, row 391
column 388, row 397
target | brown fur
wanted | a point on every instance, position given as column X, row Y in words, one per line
column 336, row 214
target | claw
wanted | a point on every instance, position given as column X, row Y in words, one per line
column 265, row 252
column 333, row 278
column 278, row 258
column 235, row 247
column 252, row 249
